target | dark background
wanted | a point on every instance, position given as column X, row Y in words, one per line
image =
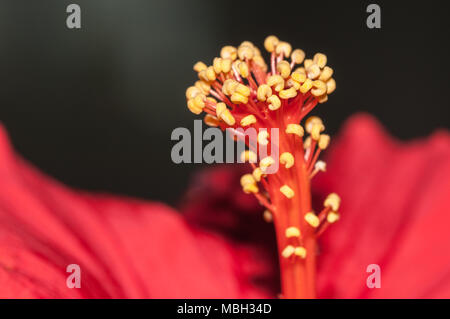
column 95, row 107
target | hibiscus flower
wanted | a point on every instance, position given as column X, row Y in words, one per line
column 218, row 247
column 395, row 196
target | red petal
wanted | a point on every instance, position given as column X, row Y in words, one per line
column 395, row 198
column 215, row 201
column 126, row 248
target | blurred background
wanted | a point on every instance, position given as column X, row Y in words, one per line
column 95, row 107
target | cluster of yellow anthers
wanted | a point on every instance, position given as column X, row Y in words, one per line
column 240, row 90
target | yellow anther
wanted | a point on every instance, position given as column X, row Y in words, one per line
column 192, row 92
column 247, row 43
column 220, row 108
column 251, row 188
column 238, row 98
column 319, row 88
column 300, row 70
column 313, row 71
column 288, row 251
column 199, row 66
column 267, row 216
column 202, row 75
column 331, row 86
column 298, row 77
column 245, row 51
column 332, row 217
column 287, row 191
column 228, row 52
column 257, row 174
column 274, row 102
column 326, row 74
column 210, row 73
column 199, row 100
column 332, row 201
column 217, row 65
column 229, row 86
column 288, row 93
column 317, row 128
column 292, row 232
column 223, row 113
column 264, row 91
column 228, row 118
column 235, row 64
column 211, row 120
column 284, row 68
column 307, row 142
column 295, row 129
column 298, row 56
column 248, row 184
column 277, row 81
column 290, row 83
column 193, row 107
column 203, row 86
column 248, row 120
column 300, row 251
column 306, row 86
column 324, row 141
column 243, row 69
column 270, row 43
column 265, row 163
column 310, row 121
column 242, row 89
column 283, row 47
column 249, row 156
column 322, row 98
column 247, row 179
column 320, row 166
column 226, row 65
column 263, row 138
column 287, row 159
column 307, row 63
column 320, row 59
column 312, row 219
